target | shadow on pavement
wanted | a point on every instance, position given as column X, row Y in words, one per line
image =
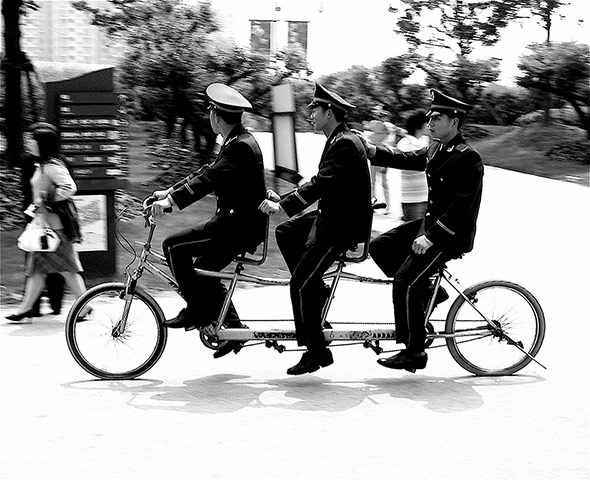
column 45, row 326
column 223, row 393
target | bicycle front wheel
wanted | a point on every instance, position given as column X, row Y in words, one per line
column 115, row 344
column 504, row 341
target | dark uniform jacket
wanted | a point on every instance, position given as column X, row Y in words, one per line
column 454, row 174
column 343, row 188
column 237, row 179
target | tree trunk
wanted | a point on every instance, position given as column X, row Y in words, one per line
column 12, row 68
column 584, row 117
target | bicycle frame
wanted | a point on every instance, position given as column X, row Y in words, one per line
column 370, row 337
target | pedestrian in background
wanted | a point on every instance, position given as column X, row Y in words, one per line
column 54, row 282
column 379, row 134
column 414, row 188
column 50, row 183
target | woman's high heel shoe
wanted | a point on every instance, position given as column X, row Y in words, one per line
column 17, row 317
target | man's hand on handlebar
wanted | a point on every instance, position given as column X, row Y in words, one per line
column 271, row 205
column 154, row 207
column 161, row 194
column 272, row 195
column 161, row 207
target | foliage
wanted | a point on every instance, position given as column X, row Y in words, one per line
column 294, row 59
column 505, row 104
column 562, row 70
column 544, row 9
column 174, row 51
column 362, row 90
column 430, row 26
column 457, row 25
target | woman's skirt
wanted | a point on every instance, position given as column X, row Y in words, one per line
column 64, row 259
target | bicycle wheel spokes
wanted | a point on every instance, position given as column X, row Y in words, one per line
column 516, row 321
column 109, row 346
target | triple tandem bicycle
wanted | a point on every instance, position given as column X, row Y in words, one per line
column 493, row 328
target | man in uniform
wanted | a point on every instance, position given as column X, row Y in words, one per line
column 311, row 242
column 237, row 179
column 413, row 251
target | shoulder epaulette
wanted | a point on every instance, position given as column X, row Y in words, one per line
column 337, row 137
column 463, row 147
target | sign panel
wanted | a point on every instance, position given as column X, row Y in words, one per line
column 93, row 135
column 93, row 222
column 92, row 123
column 88, row 97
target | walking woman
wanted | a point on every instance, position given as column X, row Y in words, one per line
column 50, row 183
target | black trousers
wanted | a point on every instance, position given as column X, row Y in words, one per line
column 198, row 248
column 54, row 290
column 308, row 259
column 392, row 252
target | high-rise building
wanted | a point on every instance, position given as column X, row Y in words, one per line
column 57, row 32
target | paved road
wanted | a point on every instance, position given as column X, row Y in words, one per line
column 242, row 417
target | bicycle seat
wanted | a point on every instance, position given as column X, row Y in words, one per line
column 352, row 255
column 249, row 258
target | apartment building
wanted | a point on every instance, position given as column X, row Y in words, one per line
column 57, row 32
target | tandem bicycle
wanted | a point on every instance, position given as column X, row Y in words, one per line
column 493, row 328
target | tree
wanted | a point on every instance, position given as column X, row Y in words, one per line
column 562, row 70
column 362, row 90
column 392, row 75
column 456, row 26
column 14, row 63
column 545, row 10
column 174, row 50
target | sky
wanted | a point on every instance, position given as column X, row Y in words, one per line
column 361, row 33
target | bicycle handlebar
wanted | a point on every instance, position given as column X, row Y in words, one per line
column 147, row 209
column 147, row 203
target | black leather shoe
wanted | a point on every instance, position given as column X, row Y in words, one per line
column 231, row 345
column 17, row 317
column 311, row 362
column 182, row 320
column 405, row 360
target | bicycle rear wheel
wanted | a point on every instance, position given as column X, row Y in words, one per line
column 108, row 347
column 517, row 319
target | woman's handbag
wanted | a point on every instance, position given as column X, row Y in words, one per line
column 38, row 236
column 68, row 214
column 66, row 211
